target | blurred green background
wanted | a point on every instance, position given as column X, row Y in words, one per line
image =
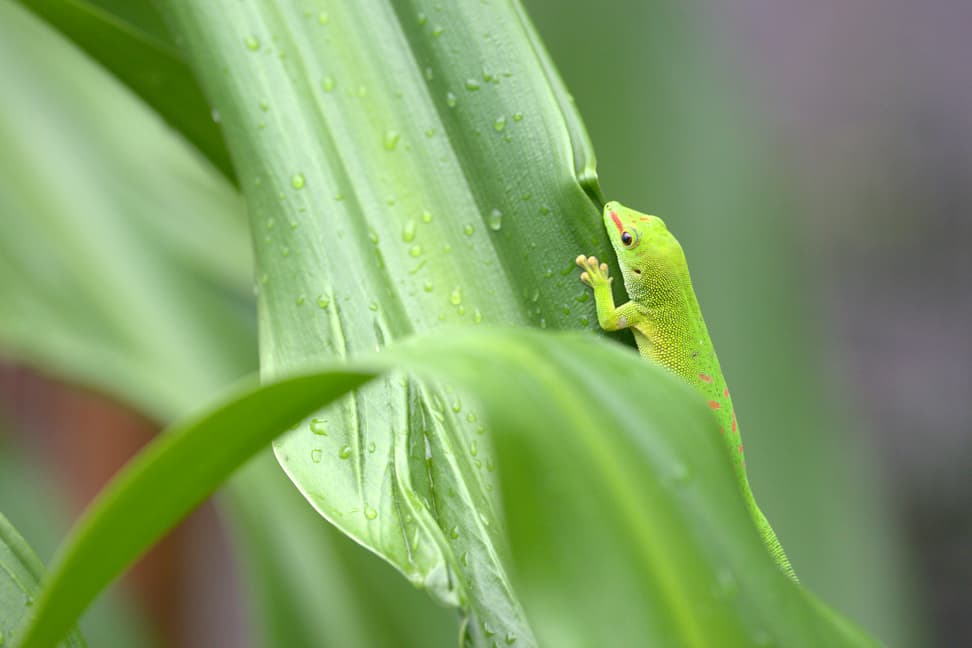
column 813, row 158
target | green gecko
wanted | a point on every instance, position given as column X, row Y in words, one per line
column 667, row 323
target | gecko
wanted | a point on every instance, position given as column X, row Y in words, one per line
column 664, row 314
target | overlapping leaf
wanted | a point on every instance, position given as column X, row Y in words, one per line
column 597, row 500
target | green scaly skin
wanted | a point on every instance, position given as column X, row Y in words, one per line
column 667, row 323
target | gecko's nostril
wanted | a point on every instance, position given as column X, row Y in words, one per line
column 636, row 271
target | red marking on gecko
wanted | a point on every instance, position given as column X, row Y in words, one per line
column 645, row 218
column 617, row 222
column 733, row 421
column 725, row 392
column 714, row 404
column 740, row 448
column 705, row 378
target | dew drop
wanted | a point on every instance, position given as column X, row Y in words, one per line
column 454, row 532
column 323, row 18
column 455, row 298
column 437, row 31
column 391, row 139
column 499, row 124
column 319, row 426
column 316, row 455
column 370, row 513
column 372, row 447
column 451, row 100
column 430, row 132
column 373, row 306
column 490, row 465
column 427, row 286
column 422, row 19
column 429, row 74
column 327, row 83
column 300, row 300
column 408, row 231
column 517, row 116
column 472, row 85
column 264, row 106
column 345, row 452
column 415, row 251
column 252, row 43
column 323, row 301
column 495, row 220
column 468, row 229
column 464, row 558
column 426, row 216
column 510, row 639
column 474, row 448
column 297, row 181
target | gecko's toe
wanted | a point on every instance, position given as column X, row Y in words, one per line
column 585, row 278
column 604, row 267
column 580, row 260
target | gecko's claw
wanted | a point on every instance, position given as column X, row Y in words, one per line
column 594, row 272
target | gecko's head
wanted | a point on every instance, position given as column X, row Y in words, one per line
column 644, row 246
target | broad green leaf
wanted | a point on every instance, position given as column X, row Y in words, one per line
column 20, row 574
column 124, row 266
column 406, row 165
column 130, row 41
column 591, row 491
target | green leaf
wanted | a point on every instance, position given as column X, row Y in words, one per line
column 20, row 574
column 406, row 165
column 589, row 489
column 131, row 46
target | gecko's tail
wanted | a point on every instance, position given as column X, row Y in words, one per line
column 773, row 543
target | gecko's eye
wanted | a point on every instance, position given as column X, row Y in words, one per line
column 626, row 238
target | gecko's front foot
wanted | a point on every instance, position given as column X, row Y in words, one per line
column 594, row 273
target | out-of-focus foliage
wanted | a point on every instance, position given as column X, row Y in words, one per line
column 31, row 504
column 20, row 575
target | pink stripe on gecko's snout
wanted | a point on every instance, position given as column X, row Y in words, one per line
column 617, row 222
